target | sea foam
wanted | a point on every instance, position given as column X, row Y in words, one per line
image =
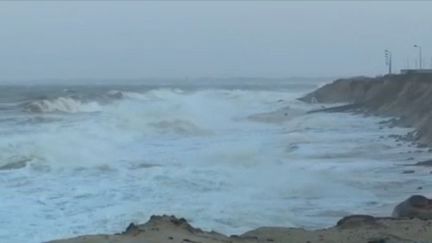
column 196, row 154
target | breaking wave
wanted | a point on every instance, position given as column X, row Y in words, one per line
column 115, row 94
column 252, row 150
column 62, row 104
column 154, row 94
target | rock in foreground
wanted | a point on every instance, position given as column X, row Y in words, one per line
column 416, row 206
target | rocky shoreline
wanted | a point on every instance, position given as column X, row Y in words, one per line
column 407, row 99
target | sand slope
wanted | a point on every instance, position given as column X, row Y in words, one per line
column 408, row 97
column 161, row 229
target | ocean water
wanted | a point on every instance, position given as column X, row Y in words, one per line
column 91, row 159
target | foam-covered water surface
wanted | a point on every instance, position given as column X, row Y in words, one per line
column 75, row 162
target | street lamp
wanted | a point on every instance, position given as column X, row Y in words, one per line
column 388, row 60
column 420, row 55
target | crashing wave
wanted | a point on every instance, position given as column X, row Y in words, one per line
column 62, row 104
column 125, row 95
column 154, row 94
column 16, row 163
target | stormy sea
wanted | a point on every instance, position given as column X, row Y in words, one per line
column 83, row 159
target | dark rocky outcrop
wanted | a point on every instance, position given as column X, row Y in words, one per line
column 353, row 221
column 416, row 206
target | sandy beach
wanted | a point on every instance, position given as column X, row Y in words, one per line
column 355, row 229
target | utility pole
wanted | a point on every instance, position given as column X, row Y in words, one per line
column 388, row 60
column 420, row 56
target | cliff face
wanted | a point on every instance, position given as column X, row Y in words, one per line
column 406, row 96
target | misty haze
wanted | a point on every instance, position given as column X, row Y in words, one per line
column 215, row 121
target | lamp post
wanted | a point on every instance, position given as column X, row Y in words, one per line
column 420, row 56
column 388, row 60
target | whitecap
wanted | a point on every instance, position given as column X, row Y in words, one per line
column 62, row 104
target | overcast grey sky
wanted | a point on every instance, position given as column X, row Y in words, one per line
column 121, row 39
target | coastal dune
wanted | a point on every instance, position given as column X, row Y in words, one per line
column 406, row 97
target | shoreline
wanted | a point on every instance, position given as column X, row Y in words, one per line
column 354, row 229
column 406, row 97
